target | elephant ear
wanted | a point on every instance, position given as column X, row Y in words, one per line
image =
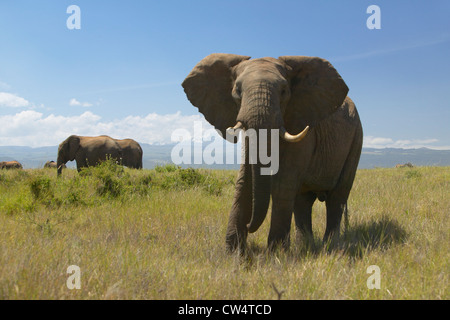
column 73, row 146
column 317, row 90
column 208, row 87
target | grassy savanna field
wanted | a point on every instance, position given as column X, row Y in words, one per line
column 160, row 234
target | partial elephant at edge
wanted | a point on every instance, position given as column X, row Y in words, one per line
column 10, row 165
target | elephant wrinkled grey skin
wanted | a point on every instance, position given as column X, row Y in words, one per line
column 10, row 165
column 289, row 93
column 131, row 153
column 87, row 151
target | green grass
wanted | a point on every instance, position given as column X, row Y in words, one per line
column 160, row 234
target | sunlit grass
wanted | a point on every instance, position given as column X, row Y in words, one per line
column 160, row 234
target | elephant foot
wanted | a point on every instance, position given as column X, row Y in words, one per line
column 235, row 242
column 275, row 242
column 331, row 240
column 305, row 240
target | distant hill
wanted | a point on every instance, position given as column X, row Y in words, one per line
column 389, row 157
column 161, row 154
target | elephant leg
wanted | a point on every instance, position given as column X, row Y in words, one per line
column 79, row 166
column 241, row 211
column 302, row 213
column 336, row 201
column 335, row 208
column 284, row 191
column 280, row 225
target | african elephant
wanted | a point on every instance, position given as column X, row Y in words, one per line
column 10, row 165
column 131, row 153
column 289, row 94
column 52, row 164
column 406, row 165
column 87, row 151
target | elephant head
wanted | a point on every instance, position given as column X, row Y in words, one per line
column 67, row 151
column 291, row 94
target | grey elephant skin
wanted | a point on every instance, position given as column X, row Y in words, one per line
column 87, row 151
column 290, row 94
column 131, row 153
column 10, row 165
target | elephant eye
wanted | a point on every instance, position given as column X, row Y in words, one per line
column 285, row 93
column 237, row 92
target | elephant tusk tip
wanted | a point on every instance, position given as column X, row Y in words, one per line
column 293, row 138
column 233, row 131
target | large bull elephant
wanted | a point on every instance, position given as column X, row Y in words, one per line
column 291, row 94
column 131, row 153
column 10, row 165
column 87, row 151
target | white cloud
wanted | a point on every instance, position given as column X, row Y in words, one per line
column 32, row 128
column 12, row 100
column 75, row 102
column 379, row 142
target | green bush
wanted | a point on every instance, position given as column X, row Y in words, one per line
column 190, row 176
column 185, row 178
column 109, row 175
column 17, row 203
column 413, row 174
column 42, row 189
column 167, row 168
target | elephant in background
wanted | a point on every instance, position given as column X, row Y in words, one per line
column 131, row 153
column 87, row 151
column 52, row 164
column 290, row 94
column 10, row 165
column 406, row 165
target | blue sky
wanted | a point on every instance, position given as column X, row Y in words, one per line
column 121, row 73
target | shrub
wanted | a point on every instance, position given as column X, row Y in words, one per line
column 190, row 176
column 184, row 178
column 16, row 204
column 413, row 174
column 109, row 186
column 107, row 176
column 167, row 168
column 42, row 189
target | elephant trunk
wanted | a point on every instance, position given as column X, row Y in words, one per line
column 59, row 169
column 59, row 165
column 260, row 110
column 259, row 113
column 261, row 189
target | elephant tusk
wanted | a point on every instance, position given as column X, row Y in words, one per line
column 290, row 138
column 233, row 130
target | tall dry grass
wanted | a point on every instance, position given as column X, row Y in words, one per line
column 160, row 234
